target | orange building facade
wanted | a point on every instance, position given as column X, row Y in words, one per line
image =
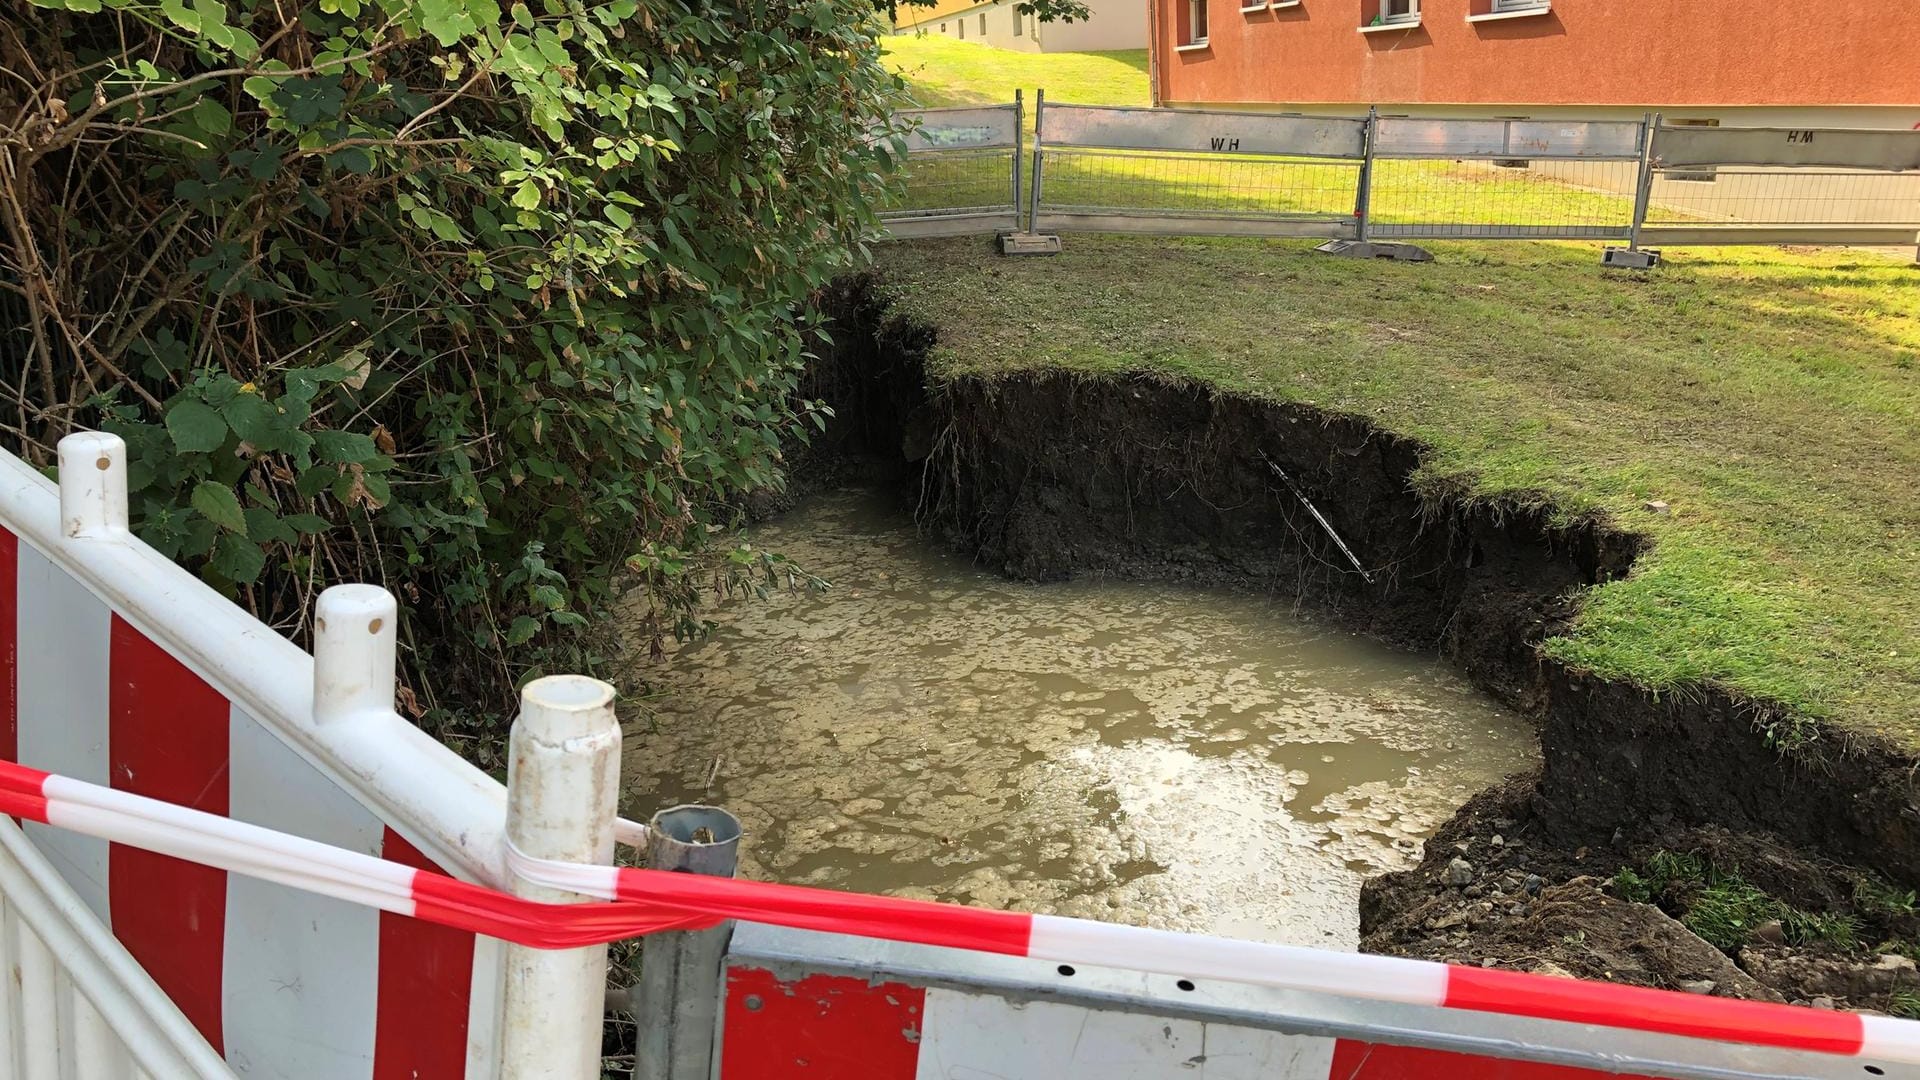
column 1832, row 63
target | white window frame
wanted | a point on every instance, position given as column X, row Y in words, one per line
column 1197, row 20
column 1502, row 7
column 1410, row 17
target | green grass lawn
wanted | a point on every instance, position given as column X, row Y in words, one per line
column 1772, row 399
column 941, row 71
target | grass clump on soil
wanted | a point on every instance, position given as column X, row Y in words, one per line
column 1723, row 908
column 1771, row 401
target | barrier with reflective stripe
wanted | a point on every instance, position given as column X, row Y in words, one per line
column 127, row 672
column 638, row 902
column 816, row 1006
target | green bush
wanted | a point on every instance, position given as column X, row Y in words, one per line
column 478, row 303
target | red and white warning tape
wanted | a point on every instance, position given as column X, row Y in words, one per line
column 643, row 901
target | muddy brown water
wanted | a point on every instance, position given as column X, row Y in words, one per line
column 1143, row 753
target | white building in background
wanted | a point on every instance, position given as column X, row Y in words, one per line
column 1115, row 24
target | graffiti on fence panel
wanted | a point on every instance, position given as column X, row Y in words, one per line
column 963, row 129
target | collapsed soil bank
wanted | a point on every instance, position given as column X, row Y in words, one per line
column 1049, row 474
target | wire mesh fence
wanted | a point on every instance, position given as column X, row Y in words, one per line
column 1199, row 171
column 1093, row 182
column 1701, row 195
column 957, row 182
column 1493, row 199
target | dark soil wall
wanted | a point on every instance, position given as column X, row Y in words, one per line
column 1050, row 475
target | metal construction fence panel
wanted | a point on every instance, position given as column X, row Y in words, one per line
column 1782, row 185
column 964, row 171
column 1502, row 179
column 1195, row 171
column 1200, row 171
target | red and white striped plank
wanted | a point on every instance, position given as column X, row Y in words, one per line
column 301, row 969
column 836, row 1027
column 649, row 900
column 167, row 740
column 62, row 647
column 426, row 987
column 9, row 646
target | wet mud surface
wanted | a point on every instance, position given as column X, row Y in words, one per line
column 1170, row 756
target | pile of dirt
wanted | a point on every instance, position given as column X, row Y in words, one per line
column 1046, row 475
column 1499, row 887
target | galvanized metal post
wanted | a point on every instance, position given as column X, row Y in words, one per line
column 678, row 1006
column 1019, row 140
column 1643, row 190
column 93, row 485
column 1363, row 198
column 1039, row 134
column 563, row 773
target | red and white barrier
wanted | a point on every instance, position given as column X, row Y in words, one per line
column 119, row 668
column 642, row 901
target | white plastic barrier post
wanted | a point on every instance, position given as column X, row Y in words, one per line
column 93, row 485
column 563, row 776
column 355, row 648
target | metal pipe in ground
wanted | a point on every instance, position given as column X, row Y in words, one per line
column 563, row 776
column 677, row 1006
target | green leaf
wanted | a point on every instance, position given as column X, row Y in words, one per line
column 219, row 505
column 526, row 196
column 196, row 428
column 238, row 559
column 307, row 524
column 344, row 447
column 522, row 630
column 258, row 421
column 181, row 15
column 265, row 527
column 446, row 20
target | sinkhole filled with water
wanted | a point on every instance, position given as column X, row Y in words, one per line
column 1146, row 753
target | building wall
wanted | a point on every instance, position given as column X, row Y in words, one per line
column 1690, row 53
column 988, row 24
column 1116, row 24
